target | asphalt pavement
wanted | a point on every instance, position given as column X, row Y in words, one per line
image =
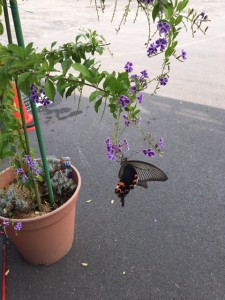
column 168, row 241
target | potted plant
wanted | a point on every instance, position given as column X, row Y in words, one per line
column 34, row 190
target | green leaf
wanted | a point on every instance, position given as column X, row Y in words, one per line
column 168, row 10
column 70, row 90
column 155, row 11
column 66, row 64
column 170, row 50
column 23, row 77
column 82, row 69
column 113, row 107
column 53, row 44
column 19, row 51
column 60, row 87
column 28, row 49
column 111, row 84
column 181, row 5
column 1, row 29
column 97, row 105
column 40, row 178
column 94, row 95
column 50, row 89
column 178, row 20
column 24, row 83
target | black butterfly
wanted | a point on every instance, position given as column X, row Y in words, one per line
column 136, row 172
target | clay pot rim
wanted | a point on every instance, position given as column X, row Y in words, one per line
column 26, row 220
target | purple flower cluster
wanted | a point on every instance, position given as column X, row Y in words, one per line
column 17, row 227
column 161, row 43
column 39, row 96
column 129, row 67
column 30, row 163
column 149, row 152
column 144, row 73
column 163, row 28
column 124, row 101
column 163, row 80
column 142, row 80
column 113, row 149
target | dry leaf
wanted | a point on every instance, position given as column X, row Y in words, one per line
column 88, row 201
column 84, row 264
column 112, row 201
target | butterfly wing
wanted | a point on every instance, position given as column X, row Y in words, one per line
column 147, row 172
column 135, row 172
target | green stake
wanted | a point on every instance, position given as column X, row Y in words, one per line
column 20, row 40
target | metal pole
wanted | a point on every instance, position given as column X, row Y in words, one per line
column 20, row 40
column 7, row 23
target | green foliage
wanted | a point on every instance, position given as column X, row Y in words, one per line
column 60, row 181
column 9, row 201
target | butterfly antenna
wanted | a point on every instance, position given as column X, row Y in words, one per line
column 132, row 154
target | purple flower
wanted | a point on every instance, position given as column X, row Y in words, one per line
column 152, row 49
column 149, row 152
column 24, row 178
column 140, row 98
column 114, row 149
column 5, row 223
column 161, row 43
column 160, row 144
column 127, row 122
column 36, row 171
column 29, row 161
column 163, row 80
column 202, row 14
column 124, row 100
column 111, row 156
column 164, row 28
column 132, row 89
column 34, row 95
column 145, row 74
column 19, row 171
column 126, row 144
column 184, row 54
column 39, row 96
column 18, row 226
column 136, row 76
column 128, row 67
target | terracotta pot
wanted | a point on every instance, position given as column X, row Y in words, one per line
column 48, row 238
